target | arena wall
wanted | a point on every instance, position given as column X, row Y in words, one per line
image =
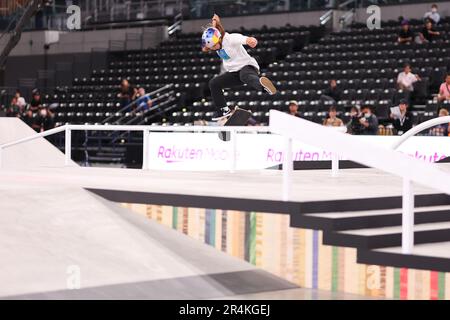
column 267, row 241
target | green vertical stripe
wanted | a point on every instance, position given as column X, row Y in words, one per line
column 212, row 227
column 174, row 217
column 396, row 283
column 335, row 270
column 441, row 286
column 252, row 238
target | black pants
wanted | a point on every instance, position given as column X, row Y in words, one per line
column 247, row 75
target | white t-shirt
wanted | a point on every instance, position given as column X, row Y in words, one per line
column 407, row 80
column 233, row 53
column 433, row 16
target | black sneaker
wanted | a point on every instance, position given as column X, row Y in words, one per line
column 226, row 112
column 268, row 85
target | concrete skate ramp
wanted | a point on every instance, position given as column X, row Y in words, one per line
column 35, row 153
column 51, row 236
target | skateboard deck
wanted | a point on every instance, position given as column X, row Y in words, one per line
column 238, row 118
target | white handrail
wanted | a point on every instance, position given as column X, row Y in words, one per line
column 84, row 127
column 146, row 129
column 34, row 136
column 372, row 155
column 351, row 147
column 68, row 128
column 168, row 128
column 420, row 127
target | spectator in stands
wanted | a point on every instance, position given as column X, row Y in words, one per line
column 404, row 121
column 433, row 14
column 293, row 108
column 127, row 93
column 16, row 107
column 442, row 129
column 32, row 116
column 406, row 79
column 13, row 110
column 332, row 94
column 46, row 119
column 333, row 120
column 354, row 126
column 444, row 90
column 405, row 36
column 368, row 121
column 143, row 101
column 428, row 33
column 21, row 103
column 36, row 101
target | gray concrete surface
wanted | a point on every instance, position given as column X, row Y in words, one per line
column 46, row 231
column 36, row 153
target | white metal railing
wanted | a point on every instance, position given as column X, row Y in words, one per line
column 372, row 155
column 131, row 104
column 327, row 16
column 346, row 3
column 146, row 130
column 419, row 128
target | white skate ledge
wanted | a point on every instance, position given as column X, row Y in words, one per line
column 368, row 154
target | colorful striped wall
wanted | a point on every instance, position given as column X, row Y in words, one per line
column 298, row 255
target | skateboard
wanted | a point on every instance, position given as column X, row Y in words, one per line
column 238, row 117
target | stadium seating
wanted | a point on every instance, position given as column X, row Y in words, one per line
column 176, row 61
column 365, row 64
column 299, row 60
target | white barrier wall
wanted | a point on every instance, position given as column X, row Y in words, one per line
column 205, row 151
column 32, row 42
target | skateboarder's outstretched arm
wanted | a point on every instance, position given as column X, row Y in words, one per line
column 241, row 39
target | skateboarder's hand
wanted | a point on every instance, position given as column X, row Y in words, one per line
column 252, row 42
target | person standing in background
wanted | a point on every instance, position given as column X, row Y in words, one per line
column 405, row 121
column 442, row 129
column 333, row 120
column 143, row 101
column 368, row 121
column 444, row 90
column 332, row 93
column 433, row 14
column 293, row 108
column 406, row 80
column 126, row 94
column 405, row 36
column 428, row 33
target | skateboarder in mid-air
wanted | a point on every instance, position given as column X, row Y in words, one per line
column 240, row 67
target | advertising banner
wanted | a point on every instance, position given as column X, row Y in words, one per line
column 205, row 151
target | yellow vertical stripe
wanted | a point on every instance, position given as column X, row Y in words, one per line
column 351, row 271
